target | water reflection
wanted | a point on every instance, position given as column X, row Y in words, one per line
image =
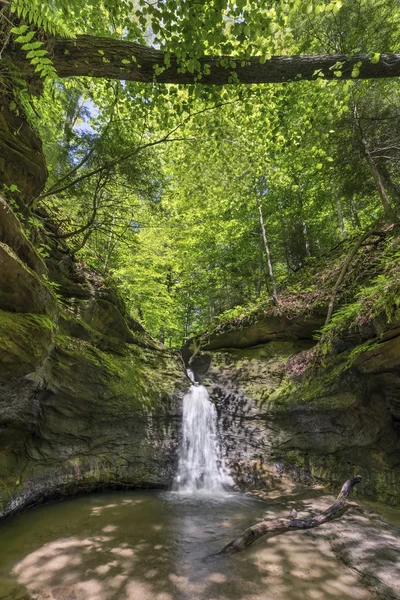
column 161, row 546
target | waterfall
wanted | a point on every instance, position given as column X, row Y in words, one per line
column 200, row 465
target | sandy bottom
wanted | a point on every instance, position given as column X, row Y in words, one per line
column 159, row 546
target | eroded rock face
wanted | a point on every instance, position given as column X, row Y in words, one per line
column 322, row 432
column 270, row 328
column 87, row 398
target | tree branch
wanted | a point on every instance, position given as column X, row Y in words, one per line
column 112, row 163
column 84, row 160
column 278, row 526
column 96, row 199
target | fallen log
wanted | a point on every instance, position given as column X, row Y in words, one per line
column 250, row 535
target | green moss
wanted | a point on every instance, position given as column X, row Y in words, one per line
column 294, row 458
column 25, row 340
column 322, row 391
column 134, row 377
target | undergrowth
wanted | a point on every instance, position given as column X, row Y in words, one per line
column 370, row 288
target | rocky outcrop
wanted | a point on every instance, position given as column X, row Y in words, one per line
column 87, row 398
column 316, row 435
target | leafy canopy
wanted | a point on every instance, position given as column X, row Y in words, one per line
column 167, row 189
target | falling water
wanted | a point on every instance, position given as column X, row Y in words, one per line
column 200, row 464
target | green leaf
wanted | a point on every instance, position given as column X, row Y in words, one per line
column 34, row 53
column 337, row 6
column 19, row 30
column 22, row 39
column 32, row 46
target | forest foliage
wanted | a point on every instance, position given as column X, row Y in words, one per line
column 197, row 199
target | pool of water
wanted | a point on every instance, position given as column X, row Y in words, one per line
column 161, row 546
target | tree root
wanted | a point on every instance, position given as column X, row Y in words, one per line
column 250, row 535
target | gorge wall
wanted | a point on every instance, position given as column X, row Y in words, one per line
column 87, row 398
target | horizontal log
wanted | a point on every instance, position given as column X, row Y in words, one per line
column 250, row 535
column 110, row 58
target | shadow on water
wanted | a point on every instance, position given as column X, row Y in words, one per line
column 161, row 546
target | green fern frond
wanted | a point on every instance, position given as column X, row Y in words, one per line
column 43, row 16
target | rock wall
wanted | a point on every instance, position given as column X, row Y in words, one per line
column 319, row 430
column 87, row 398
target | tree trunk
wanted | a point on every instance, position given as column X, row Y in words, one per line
column 292, row 523
column 284, row 235
column 110, row 241
column 380, row 182
column 354, row 212
column 304, row 225
column 343, row 272
column 92, row 56
column 340, row 216
column 267, row 252
column 260, row 272
column 306, row 239
column 383, row 189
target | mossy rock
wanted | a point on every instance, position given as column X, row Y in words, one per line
column 21, row 289
column 25, row 342
column 12, row 234
column 103, row 317
column 255, row 372
column 133, row 378
column 266, row 329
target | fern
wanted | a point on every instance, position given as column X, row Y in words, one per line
column 39, row 16
column 42, row 16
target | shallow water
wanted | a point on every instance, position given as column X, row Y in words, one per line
column 160, row 546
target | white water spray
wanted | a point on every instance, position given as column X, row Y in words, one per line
column 200, row 465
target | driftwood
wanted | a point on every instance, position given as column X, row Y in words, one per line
column 291, row 523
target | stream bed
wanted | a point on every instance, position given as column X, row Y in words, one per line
column 147, row 545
